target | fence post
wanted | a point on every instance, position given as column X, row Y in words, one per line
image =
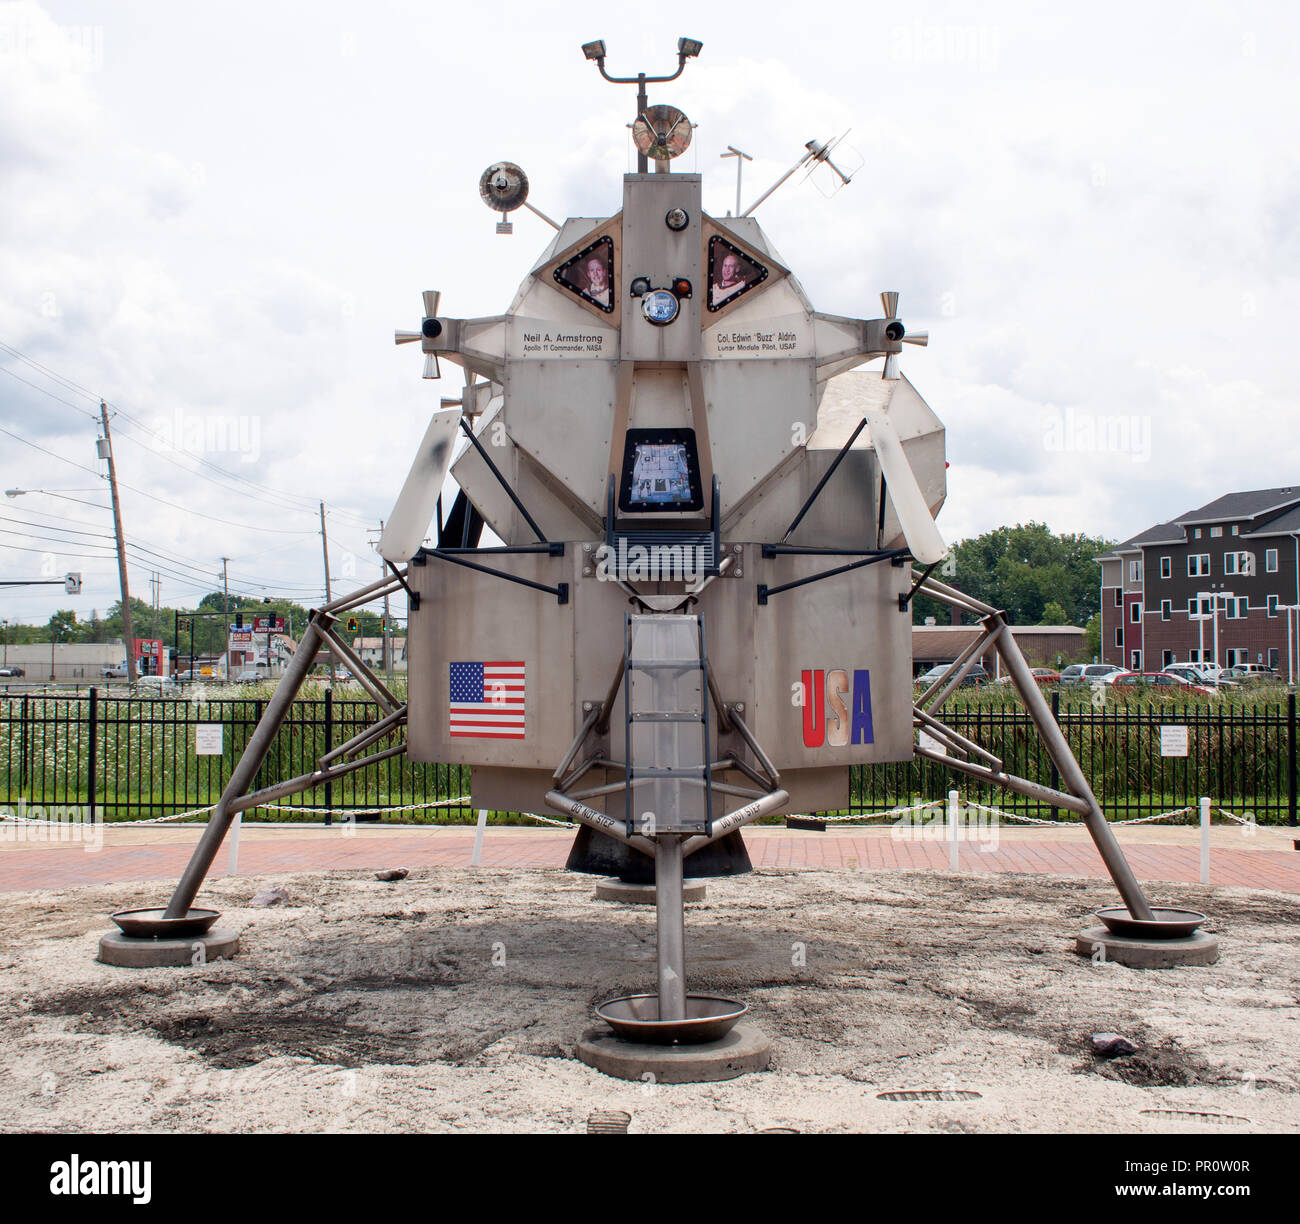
column 953, row 861
column 92, row 742
column 477, row 857
column 1205, row 840
column 233, row 868
column 22, row 749
column 1291, row 760
column 329, row 743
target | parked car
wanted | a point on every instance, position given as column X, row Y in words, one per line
column 1163, row 680
column 1088, row 673
column 113, row 671
column 1044, row 675
column 11, row 673
column 248, row 675
column 976, row 675
column 1246, row 673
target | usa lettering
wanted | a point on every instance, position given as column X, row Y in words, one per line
column 836, row 711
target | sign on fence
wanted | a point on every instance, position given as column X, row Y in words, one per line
column 926, row 740
column 1173, row 741
column 207, row 739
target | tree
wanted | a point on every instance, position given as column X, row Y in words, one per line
column 1054, row 614
column 1092, row 636
column 1021, row 570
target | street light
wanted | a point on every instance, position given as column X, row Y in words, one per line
column 59, row 493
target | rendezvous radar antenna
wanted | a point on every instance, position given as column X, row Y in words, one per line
column 712, row 526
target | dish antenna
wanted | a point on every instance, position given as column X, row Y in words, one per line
column 661, row 133
column 503, row 187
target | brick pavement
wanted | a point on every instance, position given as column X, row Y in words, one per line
column 1169, row 854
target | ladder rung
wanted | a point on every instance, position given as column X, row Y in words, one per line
column 666, row 716
column 680, row 771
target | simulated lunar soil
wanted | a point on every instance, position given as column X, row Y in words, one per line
column 452, row 1000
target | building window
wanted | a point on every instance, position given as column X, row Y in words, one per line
column 1270, row 561
column 1215, row 532
column 1197, row 533
column 1135, row 571
column 1119, row 638
column 1234, row 529
column 1135, row 660
column 1166, row 609
column 1272, row 605
column 1135, row 612
column 1166, row 658
column 1194, row 656
column 1166, row 567
column 1119, row 597
column 1274, row 658
column 1240, row 655
column 1198, row 565
column 1236, row 609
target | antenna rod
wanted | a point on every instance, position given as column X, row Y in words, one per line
column 741, row 158
column 803, row 161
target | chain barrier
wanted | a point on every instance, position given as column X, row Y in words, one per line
column 1290, row 833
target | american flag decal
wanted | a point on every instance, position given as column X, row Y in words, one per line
column 486, row 701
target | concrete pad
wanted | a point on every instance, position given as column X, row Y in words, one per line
column 135, row 953
column 742, row 1050
column 1197, row 949
column 643, row 894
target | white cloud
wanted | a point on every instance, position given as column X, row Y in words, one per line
column 225, row 212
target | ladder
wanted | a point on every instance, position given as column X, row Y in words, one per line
column 668, row 787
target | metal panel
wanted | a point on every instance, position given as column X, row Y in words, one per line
column 465, row 616
column 851, row 624
column 562, row 414
column 652, row 250
column 759, row 413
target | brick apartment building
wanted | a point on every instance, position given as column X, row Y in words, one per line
column 1223, row 577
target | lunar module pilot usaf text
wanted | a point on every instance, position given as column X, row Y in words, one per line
column 711, row 526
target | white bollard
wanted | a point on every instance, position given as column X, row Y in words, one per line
column 478, row 838
column 953, row 862
column 1205, row 841
column 233, row 869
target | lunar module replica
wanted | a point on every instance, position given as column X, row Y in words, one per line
column 712, row 525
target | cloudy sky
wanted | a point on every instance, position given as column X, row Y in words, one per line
column 214, row 216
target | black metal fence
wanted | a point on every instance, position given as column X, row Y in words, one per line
column 1242, row 757
column 128, row 758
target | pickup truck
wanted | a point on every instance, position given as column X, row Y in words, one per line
column 113, row 671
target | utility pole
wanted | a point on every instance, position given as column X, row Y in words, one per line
column 106, row 452
column 225, row 587
column 155, row 585
column 325, row 552
column 386, row 637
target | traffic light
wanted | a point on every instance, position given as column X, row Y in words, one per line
column 239, row 620
column 352, row 624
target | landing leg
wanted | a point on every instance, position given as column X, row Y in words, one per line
column 670, row 928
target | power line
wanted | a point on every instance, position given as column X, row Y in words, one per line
column 270, row 497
